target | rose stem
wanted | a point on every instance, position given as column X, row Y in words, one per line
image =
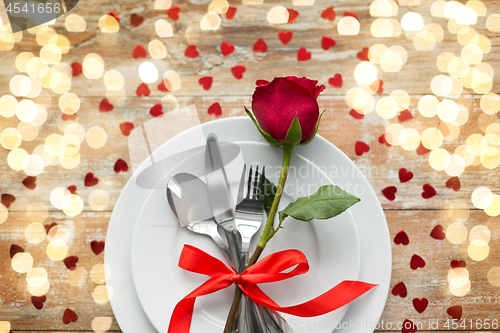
column 267, row 233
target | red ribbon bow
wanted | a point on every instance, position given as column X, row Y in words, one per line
column 269, row 269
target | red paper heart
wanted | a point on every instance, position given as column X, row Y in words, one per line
column 161, row 87
column 455, row 312
column 14, row 248
column 72, row 189
column 437, row 232
column 238, row 71
column 206, row 82
column 428, row 192
column 156, row 110
column 363, row 54
column 400, row 290
column 126, row 127
column 136, row 20
column 97, row 247
column 408, row 327
column 8, row 199
column 231, row 11
column 292, row 15
column 405, row 175
column 70, row 262
column 421, row 150
column 328, row 14
column 401, row 238
column 382, row 139
column 173, row 12
column 139, row 52
column 77, row 68
column 120, row 165
column 49, row 226
column 30, row 182
column 417, row 262
column 336, row 81
column 303, row 55
column 327, row 42
column 191, row 51
column 105, row 106
column 405, row 115
column 226, row 48
column 90, row 180
column 346, row 13
column 420, row 304
column 390, row 192
column 356, row 115
column 215, row 109
column 112, row 13
column 143, row 90
column 65, row 116
column 38, row 301
column 361, row 147
column 285, row 36
column 454, row 183
column 458, row 263
column 260, row 46
column 69, row 316
column 380, row 88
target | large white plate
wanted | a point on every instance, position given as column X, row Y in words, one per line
column 375, row 252
column 331, row 247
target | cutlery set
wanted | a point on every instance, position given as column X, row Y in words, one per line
column 209, row 209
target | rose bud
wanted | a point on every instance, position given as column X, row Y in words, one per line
column 285, row 110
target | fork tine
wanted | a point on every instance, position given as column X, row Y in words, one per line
column 262, row 190
column 249, row 187
column 241, row 189
column 255, row 180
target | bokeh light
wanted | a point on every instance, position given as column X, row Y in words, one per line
column 22, row 262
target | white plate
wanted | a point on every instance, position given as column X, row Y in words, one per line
column 374, row 239
column 331, row 247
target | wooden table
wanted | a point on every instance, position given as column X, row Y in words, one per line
column 408, row 212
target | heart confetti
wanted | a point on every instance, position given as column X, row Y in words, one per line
column 97, row 247
column 437, row 232
column 105, row 106
column 303, row 55
column 421, row 150
column 72, row 189
column 14, row 248
column 401, row 238
column 458, row 263
column 328, row 14
column 454, row 183
column 136, row 20
column 408, row 327
column 455, row 312
column 360, row 147
column 400, row 290
column 405, row 175
column 139, row 52
column 420, row 304
column 69, row 316
column 382, row 139
column 292, row 15
column 112, row 13
column 327, row 42
column 38, row 301
column 231, row 11
column 126, row 127
column 390, row 192
column 156, row 110
column 30, row 182
column 417, row 262
column 206, row 82
column 285, row 36
column 90, row 180
column 173, row 12
column 238, row 71
column 120, row 165
column 49, row 226
column 356, row 115
column 428, row 192
column 191, row 51
column 8, row 199
column 66, row 117
column 143, row 90
column 161, row 87
column 260, row 46
column 226, row 49
column 77, row 68
column 405, row 115
column 70, row 262
column 347, row 13
column 215, row 109
column 336, row 81
column 363, row 54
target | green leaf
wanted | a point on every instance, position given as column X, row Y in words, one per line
column 294, row 133
column 266, row 136
column 315, row 131
column 327, row 202
column 270, row 191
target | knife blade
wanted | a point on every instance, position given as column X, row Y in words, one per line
column 219, row 196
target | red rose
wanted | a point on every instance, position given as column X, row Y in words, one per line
column 277, row 104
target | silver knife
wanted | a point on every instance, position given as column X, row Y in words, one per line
column 219, row 196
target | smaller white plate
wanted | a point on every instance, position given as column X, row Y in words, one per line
column 331, row 247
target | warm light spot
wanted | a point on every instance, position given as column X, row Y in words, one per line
column 376, row 52
column 490, row 158
column 77, row 277
column 482, row 197
column 454, row 27
column 116, row 97
column 478, row 250
column 428, row 105
column 8, row 106
column 478, row 6
column 75, row 23
column 100, row 295
column 383, row 8
column 480, row 232
column 432, row 138
column 401, row 98
column 494, row 208
column 113, row 80
column 457, row 67
column 36, row 67
column 493, row 23
column 58, row 232
column 99, row 273
column 391, row 62
column 22, row 61
column 44, row 34
column 26, row 110
column 386, row 108
column 75, row 129
column 494, row 276
column 35, row 233
column 276, row 15
column 365, row 73
column 57, row 250
column 472, row 54
column 170, row 102
column 6, row 41
column 37, row 212
column 450, row 131
column 10, row 138
column 443, row 59
column 412, row 21
column 38, row 283
column 484, row 121
column 4, row 213
column 210, row 21
column 148, row 72
column 108, row 24
column 424, row 41
column 437, row 158
column 157, row 50
column 60, row 197
column 20, row 85
column 93, row 65
column 96, row 137
column 456, row 233
column 348, row 26
column 454, row 165
column 50, row 54
column 101, row 324
column 458, row 211
column 481, row 83
column 75, row 206
column 385, row 28
column 4, row 325
column 463, row 116
column 466, row 16
column 69, row 103
column 172, row 80
column 433, row 32
column 395, row 134
column 33, row 165
column 451, row 8
column 459, row 286
column 164, row 28
column 465, row 35
column 441, row 85
column 69, row 158
column 162, row 4
column 412, row 140
column 22, row 262
column 60, row 83
column 98, row 199
column 16, row 157
column 447, row 110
